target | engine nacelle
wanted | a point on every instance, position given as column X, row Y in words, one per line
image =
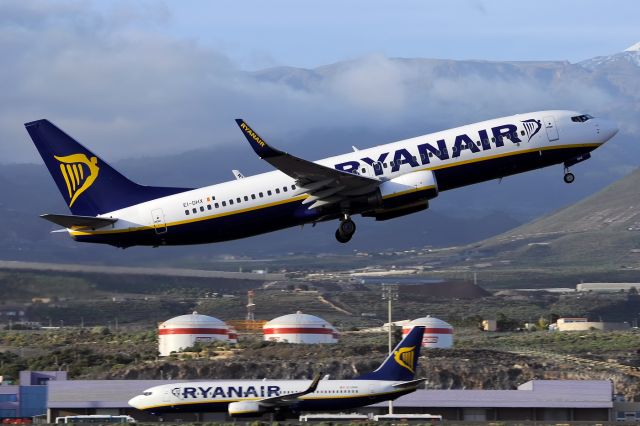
column 245, row 408
column 404, row 195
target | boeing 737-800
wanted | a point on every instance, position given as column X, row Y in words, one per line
column 394, row 378
column 383, row 182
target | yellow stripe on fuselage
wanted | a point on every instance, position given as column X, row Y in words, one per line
column 302, row 197
column 199, row 219
column 303, row 398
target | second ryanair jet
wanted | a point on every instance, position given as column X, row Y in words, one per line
column 382, row 182
column 395, row 377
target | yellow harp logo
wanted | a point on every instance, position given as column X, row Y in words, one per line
column 79, row 173
column 404, row 357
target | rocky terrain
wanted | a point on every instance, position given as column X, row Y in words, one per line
column 444, row 369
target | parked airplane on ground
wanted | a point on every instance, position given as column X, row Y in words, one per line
column 383, row 182
column 395, row 377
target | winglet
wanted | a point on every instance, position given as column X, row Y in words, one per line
column 257, row 143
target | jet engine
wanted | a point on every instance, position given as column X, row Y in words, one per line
column 245, row 408
column 404, row 195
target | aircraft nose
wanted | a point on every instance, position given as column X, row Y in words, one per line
column 136, row 402
column 606, row 129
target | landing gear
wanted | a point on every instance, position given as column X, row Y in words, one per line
column 345, row 230
column 569, row 177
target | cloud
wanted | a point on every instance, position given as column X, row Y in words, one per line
column 113, row 78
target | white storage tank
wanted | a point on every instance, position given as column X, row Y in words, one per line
column 184, row 331
column 437, row 333
column 300, row 328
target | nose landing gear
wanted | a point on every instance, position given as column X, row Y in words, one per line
column 345, row 230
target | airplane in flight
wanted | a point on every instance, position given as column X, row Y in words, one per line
column 393, row 378
column 383, row 182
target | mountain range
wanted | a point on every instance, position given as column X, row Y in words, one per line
column 435, row 94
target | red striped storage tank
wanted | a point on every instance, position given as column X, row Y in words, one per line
column 184, row 331
column 300, row 328
column 233, row 335
column 437, row 333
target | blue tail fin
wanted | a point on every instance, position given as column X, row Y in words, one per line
column 88, row 184
column 401, row 364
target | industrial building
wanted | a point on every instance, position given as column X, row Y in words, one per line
column 583, row 324
column 29, row 398
column 437, row 333
column 184, row 331
column 300, row 328
column 607, row 287
column 549, row 400
column 536, row 400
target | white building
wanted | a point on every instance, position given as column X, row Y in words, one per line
column 437, row 333
column 300, row 328
column 604, row 287
column 184, row 331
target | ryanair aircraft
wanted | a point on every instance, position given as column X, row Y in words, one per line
column 394, row 378
column 382, row 182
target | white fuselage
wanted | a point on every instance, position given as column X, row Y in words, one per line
column 457, row 157
column 217, row 395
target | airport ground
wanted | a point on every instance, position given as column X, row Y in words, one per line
column 97, row 320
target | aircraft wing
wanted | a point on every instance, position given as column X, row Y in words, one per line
column 73, row 221
column 324, row 184
column 291, row 398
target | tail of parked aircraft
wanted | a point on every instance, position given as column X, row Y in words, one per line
column 89, row 185
column 401, row 364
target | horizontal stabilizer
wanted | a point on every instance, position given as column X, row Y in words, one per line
column 410, row 384
column 71, row 221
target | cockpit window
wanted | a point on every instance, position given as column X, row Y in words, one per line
column 147, row 393
column 581, row 118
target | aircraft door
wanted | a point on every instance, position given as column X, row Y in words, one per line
column 550, row 127
column 159, row 223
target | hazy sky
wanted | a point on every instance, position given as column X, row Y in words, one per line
column 308, row 34
column 136, row 78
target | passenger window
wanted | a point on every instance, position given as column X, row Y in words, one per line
column 430, row 154
column 414, row 159
column 493, row 139
column 284, row 188
column 293, row 187
column 253, row 196
column 201, row 208
column 478, row 143
column 260, row 194
column 384, row 165
column 186, row 212
column 391, row 163
column 521, row 132
column 269, row 192
column 216, row 205
column 364, row 170
column 246, row 198
column 238, row 200
column 230, row 202
column 208, row 206
column 277, row 190
column 224, row 204
column 194, row 210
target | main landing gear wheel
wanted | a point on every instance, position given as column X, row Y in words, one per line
column 345, row 230
column 569, row 177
